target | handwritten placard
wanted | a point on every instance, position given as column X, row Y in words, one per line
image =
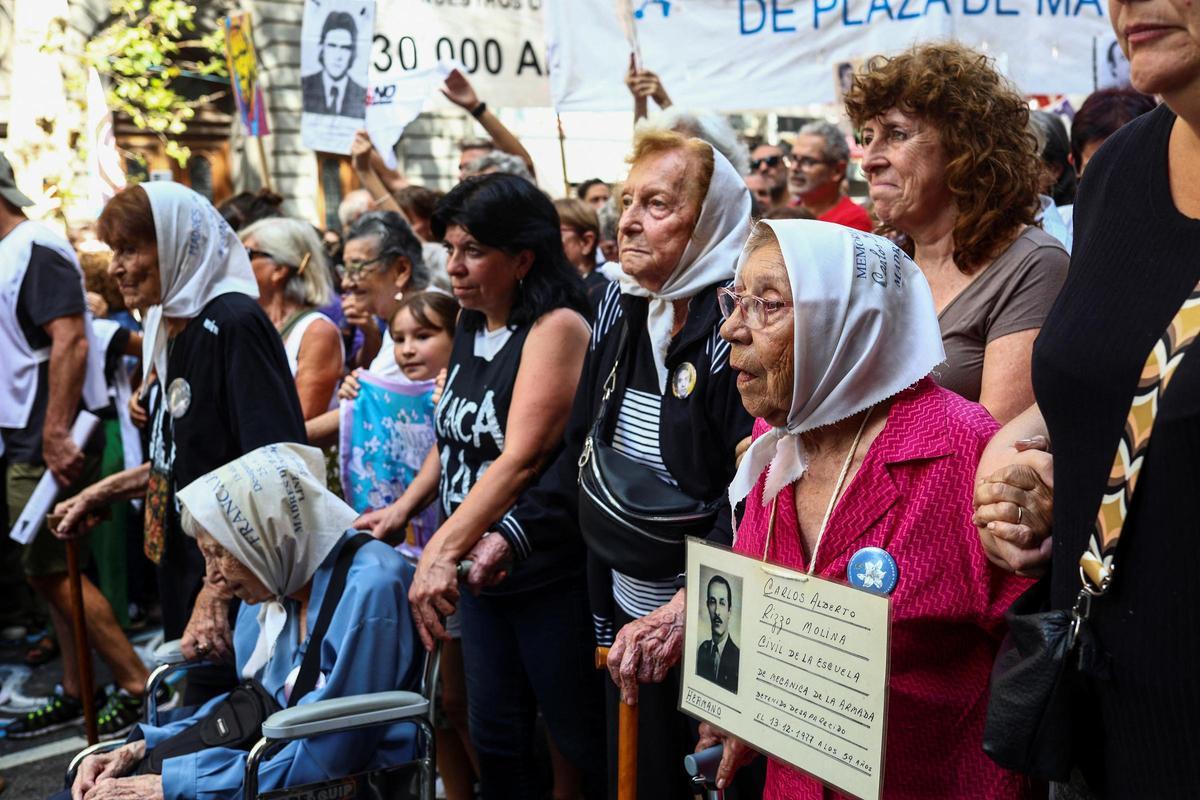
column 795, row 666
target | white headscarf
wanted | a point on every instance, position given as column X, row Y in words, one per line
column 711, row 254
column 270, row 509
column 199, row 258
column 865, row 330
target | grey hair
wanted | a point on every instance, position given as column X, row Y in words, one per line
column 188, row 523
column 761, row 236
column 294, row 244
column 395, row 240
column 498, row 161
column 609, row 216
column 835, row 148
column 353, row 206
column 707, row 125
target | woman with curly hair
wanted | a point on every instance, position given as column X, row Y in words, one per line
column 953, row 171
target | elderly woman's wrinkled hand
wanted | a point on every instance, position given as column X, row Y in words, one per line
column 647, row 648
column 1014, row 509
column 491, row 561
column 103, row 766
column 736, row 755
column 434, row 594
column 142, row 787
column 208, row 636
column 77, row 515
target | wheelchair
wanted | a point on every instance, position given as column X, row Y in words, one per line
column 334, row 715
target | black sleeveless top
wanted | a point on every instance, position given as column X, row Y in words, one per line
column 470, row 421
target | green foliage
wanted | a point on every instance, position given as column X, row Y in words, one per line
column 140, row 53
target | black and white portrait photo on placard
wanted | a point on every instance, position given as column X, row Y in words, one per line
column 335, row 55
column 717, row 658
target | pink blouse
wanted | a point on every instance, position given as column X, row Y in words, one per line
column 912, row 497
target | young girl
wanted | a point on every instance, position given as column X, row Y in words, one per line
column 422, row 331
column 386, row 430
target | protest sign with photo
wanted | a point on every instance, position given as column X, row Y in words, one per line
column 335, row 52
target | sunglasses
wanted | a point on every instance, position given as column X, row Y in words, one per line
column 769, row 161
column 252, row 254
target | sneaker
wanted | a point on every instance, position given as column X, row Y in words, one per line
column 121, row 710
column 61, row 711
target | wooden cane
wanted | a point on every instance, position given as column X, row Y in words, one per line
column 627, row 740
column 83, row 653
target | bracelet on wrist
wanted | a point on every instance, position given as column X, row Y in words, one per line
column 478, row 110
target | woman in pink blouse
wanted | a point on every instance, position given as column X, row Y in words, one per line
column 834, row 334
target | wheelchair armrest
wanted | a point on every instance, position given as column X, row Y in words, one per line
column 90, row 750
column 344, row 713
column 170, row 652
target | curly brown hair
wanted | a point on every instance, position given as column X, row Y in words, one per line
column 992, row 170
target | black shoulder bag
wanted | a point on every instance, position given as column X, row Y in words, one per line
column 633, row 520
column 1036, row 690
column 236, row 722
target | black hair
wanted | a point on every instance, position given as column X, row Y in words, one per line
column 396, row 240
column 511, row 215
column 1102, row 113
column 340, row 21
column 728, row 589
column 247, row 208
column 1056, row 151
column 582, row 190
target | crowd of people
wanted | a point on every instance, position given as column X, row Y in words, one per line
column 477, row 379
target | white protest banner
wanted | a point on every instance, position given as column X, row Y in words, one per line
column 335, row 48
column 765, row 54
column 501, row 45
column 397, row 101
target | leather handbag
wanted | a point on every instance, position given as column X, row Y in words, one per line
column 633, row 520
column 1037, row 679
column 236, row 722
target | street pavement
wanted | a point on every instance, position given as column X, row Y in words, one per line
column 34, row 767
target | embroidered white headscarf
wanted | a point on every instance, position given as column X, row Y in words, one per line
column 199, row 258
column 865, row 330
column 270, row 509
column 710, row 257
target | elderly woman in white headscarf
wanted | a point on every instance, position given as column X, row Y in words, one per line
column 862, row 471
column 217, row 384
column 279, row 541
column 656, row 410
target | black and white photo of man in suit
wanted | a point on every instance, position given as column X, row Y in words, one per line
column 331, row 91
column 717, row 659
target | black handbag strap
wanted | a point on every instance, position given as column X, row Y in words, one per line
column 310, row 667
column 615, row 383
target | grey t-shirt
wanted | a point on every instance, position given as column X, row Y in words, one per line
column 1012, row 294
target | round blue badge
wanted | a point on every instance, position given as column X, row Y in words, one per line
column 873, row 569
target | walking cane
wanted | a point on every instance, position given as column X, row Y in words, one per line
column 83, row 653
column 627, row 741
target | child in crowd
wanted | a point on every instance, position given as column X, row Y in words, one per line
column 422, row 331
